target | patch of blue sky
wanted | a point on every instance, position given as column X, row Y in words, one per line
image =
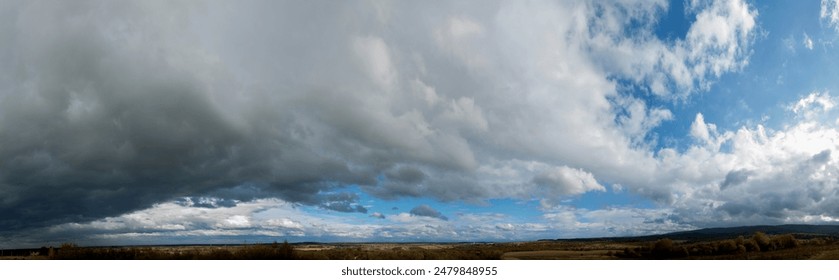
column 506, row 210
column 669, row 133
column 673, row 24
column 782, row 68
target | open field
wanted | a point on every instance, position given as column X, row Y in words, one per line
column 558, row 255
column 760, row 246
column 689, row 246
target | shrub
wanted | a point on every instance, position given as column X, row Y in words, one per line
column 740, row 240
column 286, row 252
column 67, row 251
column 727, row 246
column 817, row 241
column 629, row 253
column 751, row 246
column 665, row 248
column 741, row 249
column 762, row 241
column 215, row 254
column 266, row 252
column 785, row 241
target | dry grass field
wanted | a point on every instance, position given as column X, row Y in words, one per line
column 757, row 246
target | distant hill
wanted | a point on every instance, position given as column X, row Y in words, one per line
column 801, row 231
column 732, row 232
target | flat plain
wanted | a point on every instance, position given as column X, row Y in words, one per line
column 759, row 245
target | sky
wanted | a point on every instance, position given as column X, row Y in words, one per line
column 159, row 122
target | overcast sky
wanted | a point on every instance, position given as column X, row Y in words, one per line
column 148, row 122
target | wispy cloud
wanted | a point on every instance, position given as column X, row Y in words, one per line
column 808, row 42
column 830, row 13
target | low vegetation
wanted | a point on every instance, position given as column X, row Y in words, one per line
column 273, row 251
column 757, row 246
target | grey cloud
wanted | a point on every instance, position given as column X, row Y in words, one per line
column 400, row 181
column 316, row 196
column 427, row 211
column 796, row 190
column 822, row 157
column 767, row 207
column 406, row 174
column 344, row 207
column 378, row 215
column 341, row 202
column 734, row 178
column 741, row 209
column 446, row 186
column 206, row 202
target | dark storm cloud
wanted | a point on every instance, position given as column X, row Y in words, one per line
column 427, row 211
column 109, row 111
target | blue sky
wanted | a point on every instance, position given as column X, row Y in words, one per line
column 149, row 122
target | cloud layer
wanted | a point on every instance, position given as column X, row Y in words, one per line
column 110, row 108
